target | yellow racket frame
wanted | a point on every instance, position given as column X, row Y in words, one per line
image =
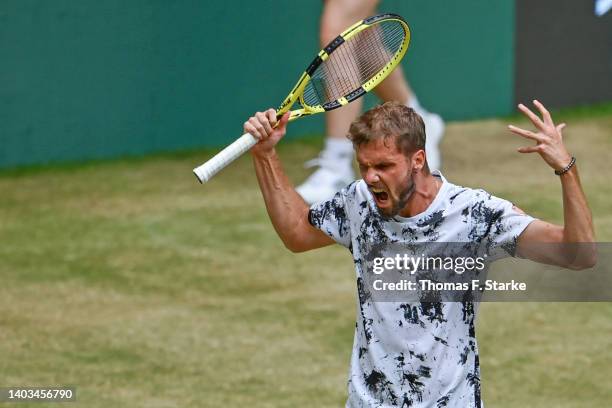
column 296, row 93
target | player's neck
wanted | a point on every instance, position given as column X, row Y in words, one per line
column 425, row 191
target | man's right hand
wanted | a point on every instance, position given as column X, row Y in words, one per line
column 265, row 127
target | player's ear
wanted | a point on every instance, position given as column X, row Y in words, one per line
column 418, row 160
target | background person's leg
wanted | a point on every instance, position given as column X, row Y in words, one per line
column 335, row 162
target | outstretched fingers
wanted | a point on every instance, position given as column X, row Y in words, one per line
column 532, row 116
column 529, row 149
column 525, row 133
column 545, row 114
column 561, row 127
column 548, row 137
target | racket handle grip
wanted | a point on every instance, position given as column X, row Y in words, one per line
column 225, row 157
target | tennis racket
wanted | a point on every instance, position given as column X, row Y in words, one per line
column 351, row 65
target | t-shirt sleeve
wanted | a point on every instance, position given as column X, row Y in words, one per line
column 497, row 223
column 331, row 218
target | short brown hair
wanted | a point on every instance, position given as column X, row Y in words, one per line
column 391, row 119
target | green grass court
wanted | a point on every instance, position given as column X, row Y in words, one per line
column 142, row 288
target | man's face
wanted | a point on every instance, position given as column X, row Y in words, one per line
column 388, row 173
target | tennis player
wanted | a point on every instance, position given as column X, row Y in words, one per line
column 415, row 354
column 335, row 162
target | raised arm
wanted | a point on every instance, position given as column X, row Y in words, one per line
column 573, row 241
column 287, row 210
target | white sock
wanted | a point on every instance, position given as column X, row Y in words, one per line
column 338, row 148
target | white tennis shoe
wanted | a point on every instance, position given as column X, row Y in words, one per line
column 334, row 173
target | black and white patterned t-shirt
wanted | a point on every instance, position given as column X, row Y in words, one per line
column 416, row 354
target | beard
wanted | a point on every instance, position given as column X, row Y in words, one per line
column 403, row 197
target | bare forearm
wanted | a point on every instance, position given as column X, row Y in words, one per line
column 578, row 222
column 287, row 210
column 573, row 243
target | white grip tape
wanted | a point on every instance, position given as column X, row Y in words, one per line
column 225, row 157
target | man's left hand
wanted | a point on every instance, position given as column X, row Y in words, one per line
column 548, row 138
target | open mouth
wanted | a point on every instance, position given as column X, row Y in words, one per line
column 380, row 195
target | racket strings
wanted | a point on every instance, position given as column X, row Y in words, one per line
column 354, row 62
